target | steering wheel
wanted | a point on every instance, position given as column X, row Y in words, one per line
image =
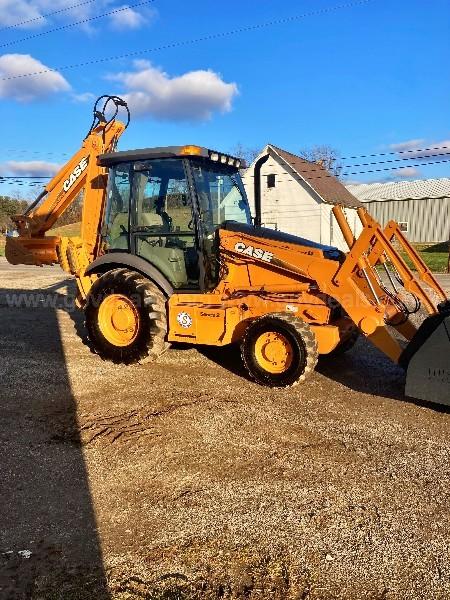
column 154, row 241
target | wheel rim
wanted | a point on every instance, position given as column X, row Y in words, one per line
column 273, row 352
column 118, row 320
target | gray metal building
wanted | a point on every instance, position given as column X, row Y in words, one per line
column 422, row 207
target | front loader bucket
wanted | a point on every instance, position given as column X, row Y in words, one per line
column 427, row 360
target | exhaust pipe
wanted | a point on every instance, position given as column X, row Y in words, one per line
column 257, row 188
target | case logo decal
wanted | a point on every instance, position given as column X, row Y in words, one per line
column 76, row 173
column 184, row 319
column 254, row 252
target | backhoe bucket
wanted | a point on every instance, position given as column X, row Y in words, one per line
column 31, row 251
column 427, row 360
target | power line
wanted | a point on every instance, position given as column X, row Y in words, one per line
column 392, row 160
column 3, row 178
column 50, row 14
column 380, row 162
column 181, row 43
column 75, row 23
column 436, row 162
column 417, row 150
column 306, row 173
column 36, row 152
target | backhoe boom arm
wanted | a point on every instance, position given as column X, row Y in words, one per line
column 81, row 172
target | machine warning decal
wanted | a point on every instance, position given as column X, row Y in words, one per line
column 184, row 319
column 255, row 252
column 76, row 173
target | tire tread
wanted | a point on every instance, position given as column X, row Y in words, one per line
column 302, row 329
column 154, row 305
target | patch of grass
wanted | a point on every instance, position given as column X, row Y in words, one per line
column 435, row 256
column 71, row 230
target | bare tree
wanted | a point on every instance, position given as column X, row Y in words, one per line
column 246, row 152
column 23, row 195
column 325, row 156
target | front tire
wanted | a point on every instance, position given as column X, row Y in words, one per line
column 125, row 317
column 279, row 350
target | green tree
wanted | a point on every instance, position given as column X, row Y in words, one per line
column 9, row 207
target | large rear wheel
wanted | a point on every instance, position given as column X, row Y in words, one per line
column 126, row 317
column 279, row 350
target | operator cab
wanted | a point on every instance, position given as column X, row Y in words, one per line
column 166, row 204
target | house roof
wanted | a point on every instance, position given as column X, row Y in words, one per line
column 327, row 186
column 402, row 190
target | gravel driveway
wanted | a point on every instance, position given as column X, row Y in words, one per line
column 182, row 479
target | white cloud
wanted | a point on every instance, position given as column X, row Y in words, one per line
column 83, row 97
column 194, row 96
column 16, row 11
column 29, row 168
column 407, row 145
column 353, row 182
column 414, row 149
column 27, row 89
column 127, row 18
column 30, row 14
column 407, row 172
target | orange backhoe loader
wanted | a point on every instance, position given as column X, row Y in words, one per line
column 169, row 252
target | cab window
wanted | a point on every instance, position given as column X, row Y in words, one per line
column 221, row 195
column 164, row 223
column 117, row 209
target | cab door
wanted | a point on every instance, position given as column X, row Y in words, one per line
column 163, row 220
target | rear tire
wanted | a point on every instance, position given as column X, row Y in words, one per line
column 279, row 350
column 125, row 317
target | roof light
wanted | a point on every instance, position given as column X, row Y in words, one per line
column 191, row 150
column 214, row 156
column 230, row 160
column 223, row 159
column 237, row 163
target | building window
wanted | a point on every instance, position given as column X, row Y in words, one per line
column 270, row 226
column 403, row 226
column 271, row 181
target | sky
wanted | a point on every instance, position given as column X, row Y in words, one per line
column 363, row 77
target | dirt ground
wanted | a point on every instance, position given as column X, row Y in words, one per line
column 182, row 479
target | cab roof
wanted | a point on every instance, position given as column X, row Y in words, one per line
column 113, row 158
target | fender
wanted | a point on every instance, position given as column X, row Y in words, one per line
column 114, row 260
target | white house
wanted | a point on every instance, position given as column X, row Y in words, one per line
column 297, row 197
column 421, row 207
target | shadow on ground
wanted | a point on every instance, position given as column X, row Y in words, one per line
column 365, row 369
column 49, row 546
